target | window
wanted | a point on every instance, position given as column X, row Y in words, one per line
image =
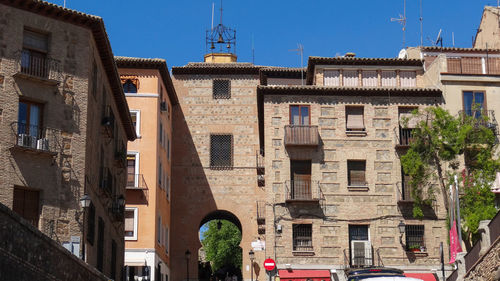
column 132, row 169
column 94, row 80
column 167, row 189
column 166, row 239
column 370, row 78
column 161, row 133
column 408, row 78
column 331, row 78
column 299, row 115
column 221, row 89
column 359, row 244
column 302, row 237
column 300, row 171
column 30, row 123
column 168, row 148
column 355, row 118
column 158, row 229
column 131, row 223
column 100, row 244
column 356, row 172
column 406, row 187
column 474, row 103
column 34, row 54
column 407, row 123
column 91, row 224
column 113, row 260
column 129, row 87
column 25, row 204
column 350, row 78
column 415, row 238
column 138, row 272
column 160, row 174
column 136, row 121
column 221, row 150
column 389, row 78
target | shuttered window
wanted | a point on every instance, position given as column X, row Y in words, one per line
column 370, row 78
column 350, row 78
column 356, row 172
column 331, row 78
column 355, row 119
column 26, row 204
column 100, row 244
column 221, row 150
column 113, row 260
column 408, row 78
column 389, row 78
column 130, row 223
column 221, row 89
column 91, row 224
column 35, row 41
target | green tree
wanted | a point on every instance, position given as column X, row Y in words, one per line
column 440, row 141
column 222, row 245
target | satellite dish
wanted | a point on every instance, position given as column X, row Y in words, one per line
column 403, row 54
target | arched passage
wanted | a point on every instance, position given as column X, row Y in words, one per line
column 220, row 256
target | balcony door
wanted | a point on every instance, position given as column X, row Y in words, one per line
column 29, row 118
column 132, row 170
column 300, row 115
column 474, row 103
column 300, row 171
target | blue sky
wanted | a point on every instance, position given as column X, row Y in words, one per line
column 175, row 30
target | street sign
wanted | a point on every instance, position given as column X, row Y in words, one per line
column 269, row 264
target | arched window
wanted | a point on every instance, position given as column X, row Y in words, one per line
column 129, row 87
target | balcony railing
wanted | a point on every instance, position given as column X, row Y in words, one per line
column 301, row 135
column 38, row 65
column 36, row 138
column 484, row 117
column 405, row 136
column 404, row 191
column 136, row 181
column 261, row 212
column 259, row 160
column 303, row 190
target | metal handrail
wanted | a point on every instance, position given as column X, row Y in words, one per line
column 303, row 190
column 36, row 137
column 38, row 65
column 136, row 181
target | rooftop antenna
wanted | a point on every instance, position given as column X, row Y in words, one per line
column 402, row 21
column 422, row 25
column 213, row 6
column 453, row 38
column 64, row 3
column 221, row 36
column 300, row 51
column 439, row 39
column 253, row 51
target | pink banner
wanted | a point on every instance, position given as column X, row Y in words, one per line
column 455, row 246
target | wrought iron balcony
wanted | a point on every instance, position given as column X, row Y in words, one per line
column 137, row 184
column 35, row 138
column 38, row 66
column 404, row 192
column 301, row 135
column 483, row 117
column 261, row 212
column 259, row 160
column 405, row 137
column 303, row 191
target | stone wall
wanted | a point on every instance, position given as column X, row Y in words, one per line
column 27, row 254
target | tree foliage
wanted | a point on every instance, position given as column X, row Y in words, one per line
column 222, row 245
column 440, row 142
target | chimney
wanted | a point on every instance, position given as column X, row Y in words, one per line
column 350, row 55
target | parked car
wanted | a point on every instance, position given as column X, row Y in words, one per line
column 378, row 274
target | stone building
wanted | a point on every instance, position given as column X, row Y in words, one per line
column 64, row 127
column 335, row 191
column 151, row 97
column 215, row 141
column 488, row 33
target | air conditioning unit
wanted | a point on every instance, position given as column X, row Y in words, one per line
column 361, row 253
column 42, row 144
column 26, row 140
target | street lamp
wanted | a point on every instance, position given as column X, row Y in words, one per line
column 188, row 255
column 84, row 203
column 401, row 227
column 252, row 258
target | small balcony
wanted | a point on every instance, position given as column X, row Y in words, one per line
column 303, row 191
column 108, row 122
column 136, row 184
column 35, row 139
column 37, row 66
column 405, row 137
column 301, row 135
column 261, row 212
column 259, row 160
column 483, row 117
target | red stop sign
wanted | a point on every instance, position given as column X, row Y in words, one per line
column 269, row 264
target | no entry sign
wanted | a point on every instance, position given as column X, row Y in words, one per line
column 269, row 264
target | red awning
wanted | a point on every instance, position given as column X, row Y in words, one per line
column 423, row 276
column 302, row 275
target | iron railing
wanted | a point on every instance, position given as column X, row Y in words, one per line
column 405, row 136
column 38, row 65
column 484, row 117
column 301, row 135
column 404, row 191
column 136, row 181
column 259, row 161
column 36, row 138
column 303, row 190
column 302, row 238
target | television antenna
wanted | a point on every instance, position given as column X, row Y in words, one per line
column 439, row 39
column 221, row 36
column 300, row 51
column 402, row 20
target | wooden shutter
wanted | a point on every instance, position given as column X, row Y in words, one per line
column 472, row 65
column 357, row 172
column 355, row 118
column 34, row 40
column 26, row 204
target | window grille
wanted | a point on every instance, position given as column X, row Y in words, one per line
column 221, row 89
column 302, row 237
column 356, row 172
column 414, row 237
column 221, row 151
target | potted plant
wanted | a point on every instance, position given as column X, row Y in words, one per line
column 414, row 248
